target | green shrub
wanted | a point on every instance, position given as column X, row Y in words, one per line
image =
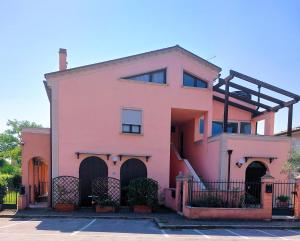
column 143, row 191
column 208, row 201
column 3, row 189
column 283, row 198
column 105, row 201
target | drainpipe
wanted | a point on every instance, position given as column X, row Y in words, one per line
column 229, row 165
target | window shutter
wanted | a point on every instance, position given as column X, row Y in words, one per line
column 132, row 117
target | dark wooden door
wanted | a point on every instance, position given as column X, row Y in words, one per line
column 254, row 172
column 130, row 170
column 90, row 168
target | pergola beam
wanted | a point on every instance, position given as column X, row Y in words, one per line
column 234, row 104
column 253, row 92
column 290, row 121
column 264, row 84
column 251, row 102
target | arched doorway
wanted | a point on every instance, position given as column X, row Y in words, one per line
column 131, row 169
column 38, row 181
column 254, row 172
column 90, row 168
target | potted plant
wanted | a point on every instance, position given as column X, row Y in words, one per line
column 283, row 201
column 65, row 202
column 142, row 195
column 105, row 204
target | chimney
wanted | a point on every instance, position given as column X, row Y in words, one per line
column 62, row 59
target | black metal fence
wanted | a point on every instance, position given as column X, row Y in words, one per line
column 283, row 201
column 224, row 194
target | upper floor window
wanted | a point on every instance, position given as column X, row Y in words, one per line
column 217, row 127
column 158, row 76
column 131, row 121
column 201, row 126
column 192, row 81
column 232, row 127
column 245, row 128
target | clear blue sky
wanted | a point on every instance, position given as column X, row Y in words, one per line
column 258, row 38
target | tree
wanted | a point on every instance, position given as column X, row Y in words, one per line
column 292, row 165
column 10, row 139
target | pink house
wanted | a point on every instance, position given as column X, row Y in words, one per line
column 155, row 114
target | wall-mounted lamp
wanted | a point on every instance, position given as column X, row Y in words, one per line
column 115, row 159
column 240, row 162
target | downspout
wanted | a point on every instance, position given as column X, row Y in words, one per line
column 49, row 94
column 229, row 165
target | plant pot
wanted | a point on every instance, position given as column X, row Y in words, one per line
column 142, row 209
column 105, row 209
column 65, row 207
column 0, row 207
column 283, row 204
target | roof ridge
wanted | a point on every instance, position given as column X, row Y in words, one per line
column 178, row 47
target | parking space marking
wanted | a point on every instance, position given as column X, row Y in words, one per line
column 164, row 233
column 83, row 228
column 293, row 231
column 270, row 234
column 236, row 234
column 201, row 233
column 13, row 224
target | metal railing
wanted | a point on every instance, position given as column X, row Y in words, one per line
column 224, row 194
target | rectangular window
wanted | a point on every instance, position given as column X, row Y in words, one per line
column 131, row 121
column 192, row 81
column 217, row 128
column 232, row 127
column 158, row 76
column 201, row 126
column 245, row 128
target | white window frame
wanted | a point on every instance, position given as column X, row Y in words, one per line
column 142, row 121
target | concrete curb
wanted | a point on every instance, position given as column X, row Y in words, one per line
column 292, row 224
column 226, row 226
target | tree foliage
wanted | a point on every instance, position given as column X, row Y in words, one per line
column 292, row 165
column 10, row 139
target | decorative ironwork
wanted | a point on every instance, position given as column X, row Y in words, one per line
column 284, row 198
column 106, row 190
column 224, row 194
column 65, row 189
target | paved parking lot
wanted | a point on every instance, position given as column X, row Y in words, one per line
column 50, row 229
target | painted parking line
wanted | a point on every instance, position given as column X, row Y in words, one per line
column 270, row 234
column 164, row 233
column 14, row 224
column 293, row 231
column 83, row 228
column 236, row 234
column 201, row 233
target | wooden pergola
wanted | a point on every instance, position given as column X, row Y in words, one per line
column 228, row 82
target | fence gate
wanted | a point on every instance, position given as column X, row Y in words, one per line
column 283, row 198
column 10, row 198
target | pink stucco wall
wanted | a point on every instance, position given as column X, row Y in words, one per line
column 89, row 103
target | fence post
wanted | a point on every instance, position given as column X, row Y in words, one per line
column 178, row 198
column 297, row 198
column 267, row 198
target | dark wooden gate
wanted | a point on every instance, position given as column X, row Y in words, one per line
column 90, row 169
column 131, row 169
column 283, row 198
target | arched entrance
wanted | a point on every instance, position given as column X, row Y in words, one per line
column 254, row 172
column 38, row 181
column 131, row 169
column 90, row 168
